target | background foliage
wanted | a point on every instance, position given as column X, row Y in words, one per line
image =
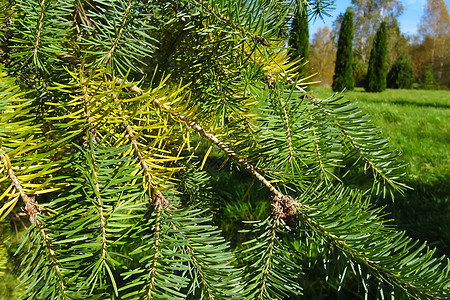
column 426, row 47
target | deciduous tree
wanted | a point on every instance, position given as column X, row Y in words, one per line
column 434, row 31
column 368, row 16
column 323, row 56
column 397, row 43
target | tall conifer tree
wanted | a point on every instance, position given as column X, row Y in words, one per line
column 343, row 72
column 376, row 73
column 299, row 39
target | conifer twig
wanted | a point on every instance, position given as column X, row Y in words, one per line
column 157, row 197
column 152, row 280
column 33, row 211
column 272, row 233
column 378, row 171
column 316, row 147
column 119, row 34
column 92, row 134
column 39, row 32
column 225, row 19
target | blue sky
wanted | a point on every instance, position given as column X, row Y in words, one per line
column 408, row 21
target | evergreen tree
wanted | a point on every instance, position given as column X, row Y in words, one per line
column 343, row 71
column 375, row 80
column 105, row 107
column 401, row 75
column 428, row 82
column 299, row 38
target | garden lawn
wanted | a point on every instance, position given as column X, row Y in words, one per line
column 417, row 123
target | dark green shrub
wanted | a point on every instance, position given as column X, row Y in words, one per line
column 428, row 81
column 401, row 75
column 359, row 72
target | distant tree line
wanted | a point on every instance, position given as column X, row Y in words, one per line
column 384, row 59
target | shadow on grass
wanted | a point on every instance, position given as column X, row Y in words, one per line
column 234, row 198
column 410, row 103
column 424, row 213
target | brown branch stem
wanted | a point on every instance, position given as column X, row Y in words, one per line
column 157, row 196
column 15, row 181
column 39, row 32
column 33, row 210
column 119, row 34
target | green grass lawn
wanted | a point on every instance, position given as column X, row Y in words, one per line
column 417, row 123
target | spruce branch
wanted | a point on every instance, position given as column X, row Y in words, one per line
column 198, row 269
column 272, row 234
column 53, row 261
column 288, row 130
column 119, row 34
column 39, row 32
column 282, row 206
column 288, row 134
column 33, row 210
column 154, row 263
column 98, row 200
column 30, row 202
column 229, row 22
column 316, row 146
column 158, row 198
column 359, row 148
column 117, row 181
column 199, row 129
column 91, row 138
column 87, row 105
column 391, row 242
